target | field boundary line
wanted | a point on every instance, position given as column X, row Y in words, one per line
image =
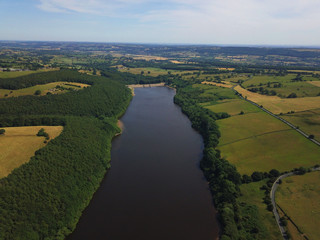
column 258, row 135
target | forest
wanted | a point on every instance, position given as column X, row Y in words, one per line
column 44, row 198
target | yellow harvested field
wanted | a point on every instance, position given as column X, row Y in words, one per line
column 44, row 88
column 224, row 84
column 147, row 57
column 19, row 144
column 278, row 105
column 315, row 83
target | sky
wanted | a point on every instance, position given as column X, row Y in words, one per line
column 226, row 22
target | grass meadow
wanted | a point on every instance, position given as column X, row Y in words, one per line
column 233, row 107
column 252, row 194
column 18, row 145
column 22, row 73
column 299, row 197
column 308, row 121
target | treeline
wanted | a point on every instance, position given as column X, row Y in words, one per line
column 237, row 221
column 102, row 98
column 44, row 198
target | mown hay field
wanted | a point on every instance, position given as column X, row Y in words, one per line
column 19, row 144
column 222, row 84
column 279, row 105
column 252, row 194
column 44, row 88
column 251, row 125
column 233, row 107
column 299, row 197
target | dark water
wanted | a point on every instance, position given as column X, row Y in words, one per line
column 155, row 189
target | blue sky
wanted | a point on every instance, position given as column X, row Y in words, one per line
column 252, row 22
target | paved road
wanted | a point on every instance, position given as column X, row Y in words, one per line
column 272, row 196
column 276, row 116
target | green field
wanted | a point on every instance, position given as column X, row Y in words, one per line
column 280, row 150
column 215, row 93
column 308, row 121
column 299, row 197
column 22, row 73
column 233, row 107
column 252, row 194
column 251, row 125
column 44, row 88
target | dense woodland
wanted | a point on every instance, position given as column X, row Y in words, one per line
column 44, row 198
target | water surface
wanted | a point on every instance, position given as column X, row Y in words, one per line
column 154, row 189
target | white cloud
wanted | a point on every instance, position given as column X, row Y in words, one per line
column 209, row 21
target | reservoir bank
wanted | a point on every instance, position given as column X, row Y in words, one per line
column 155, row 188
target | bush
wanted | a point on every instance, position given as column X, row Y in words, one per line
column 38, row 92
column 2, row 131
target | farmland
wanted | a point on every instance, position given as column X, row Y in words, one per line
column 308, row 121
column 283, row 150
column 252, row 194
column 18, row 144
column 54, row 88
column 299, row 197
column 283, row 86
column 279, row 105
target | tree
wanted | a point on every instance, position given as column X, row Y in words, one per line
column 2, row 131
column 37, row 92
column 292, row 95
column 257, row 176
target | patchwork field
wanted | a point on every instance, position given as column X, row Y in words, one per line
column 308, row 121
column 303, row 88
column 299, row 197
column 154, row 72
column 18, row 145
column 252, row 194
column 44, row 88
column 279, row 105
column 233, row 107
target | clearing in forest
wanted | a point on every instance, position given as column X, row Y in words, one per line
column 54, row 88
column 19, row 144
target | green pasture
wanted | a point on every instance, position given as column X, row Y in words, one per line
column 252, row 194
column 283, row 150
column 308, row 121
column 251, row 125
column 22, row 73
column 299, row 197
column 233, row 107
